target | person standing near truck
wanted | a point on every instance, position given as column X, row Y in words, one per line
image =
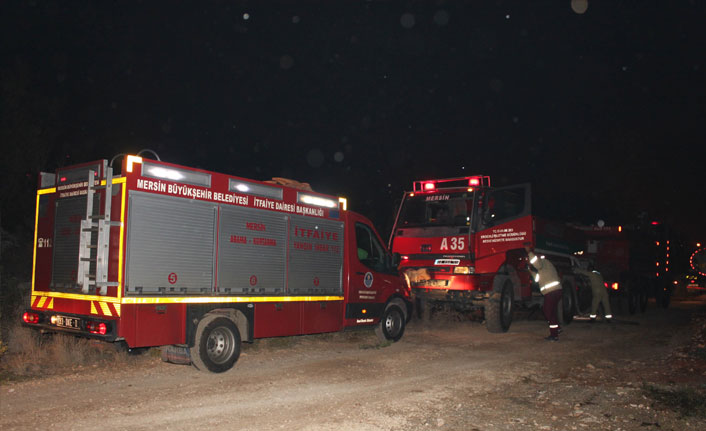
column 544, row 274
column 599, row 292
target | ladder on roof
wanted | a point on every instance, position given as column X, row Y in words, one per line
column 96, row 227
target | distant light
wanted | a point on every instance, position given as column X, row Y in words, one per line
column 579, row 6
column 655, row 223
column 246, row 16
column 620, row 228
column 507, row 16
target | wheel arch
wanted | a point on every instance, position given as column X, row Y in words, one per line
column 401, row 302
column 241, row 316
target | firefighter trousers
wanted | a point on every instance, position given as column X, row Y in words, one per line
column 551, row 301
column 600, row 296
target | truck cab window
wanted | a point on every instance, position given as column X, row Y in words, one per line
column 370, row 252
column 503, row 205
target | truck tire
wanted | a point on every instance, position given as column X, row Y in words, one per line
column 664, row 298
column 499, row 308
column 633, row 301
column 642, row 301
column 391, row 325
column 216, row 345
column 567, row 306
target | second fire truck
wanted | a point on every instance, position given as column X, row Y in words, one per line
column 462, row 243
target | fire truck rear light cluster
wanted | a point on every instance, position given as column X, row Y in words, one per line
column 28, row 317
column 99, row 328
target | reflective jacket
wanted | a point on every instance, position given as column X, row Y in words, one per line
column 546, row 275
column 594, row 277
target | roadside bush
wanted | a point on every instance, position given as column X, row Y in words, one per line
column 688, row 401
column 30, row 354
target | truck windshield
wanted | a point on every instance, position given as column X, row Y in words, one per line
column 441, row 209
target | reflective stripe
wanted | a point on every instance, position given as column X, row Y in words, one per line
column 548, row 285
column 608, row 316
column 534, row 259
column 592, row 316
column 553, row 326
column 536, row 278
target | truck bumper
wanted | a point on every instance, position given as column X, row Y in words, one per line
column 79, row 325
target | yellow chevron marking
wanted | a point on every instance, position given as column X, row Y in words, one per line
column 93, row 308
column 105, row 308
column 41, row 302
column 51, row 304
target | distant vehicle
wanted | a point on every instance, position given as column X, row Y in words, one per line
column 695, row 279
column 167, row 255
column 637, row 261
column 462, row 244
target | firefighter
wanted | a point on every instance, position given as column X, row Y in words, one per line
column 598, row 289
column 546, row 276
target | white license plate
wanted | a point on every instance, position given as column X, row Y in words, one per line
column 432, row 283
column 68, row 322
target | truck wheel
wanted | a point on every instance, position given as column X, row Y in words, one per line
column 216, row 346
column 391, row 325
column 633, row 300
column 665, row 298
column 499, row 308
column 642, row 301
column 567, row 306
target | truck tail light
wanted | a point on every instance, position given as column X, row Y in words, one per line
column 99, row 328
column 429, row 187
column 614, row 286
column 32, row 318
column 474, row 182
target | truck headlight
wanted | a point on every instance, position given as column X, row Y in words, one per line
column 464, row 270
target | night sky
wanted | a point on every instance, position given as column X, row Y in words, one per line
column 599, row 104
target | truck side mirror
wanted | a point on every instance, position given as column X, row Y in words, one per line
column 396, row 259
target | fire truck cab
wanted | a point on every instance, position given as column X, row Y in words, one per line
column 167, row 255
column 462, row 243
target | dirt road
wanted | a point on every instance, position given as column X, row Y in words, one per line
column 443, row 375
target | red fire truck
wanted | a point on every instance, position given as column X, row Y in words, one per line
column 462, row 243
column 637, row 261
column 166, row 255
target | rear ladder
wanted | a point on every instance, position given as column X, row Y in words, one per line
column 96, row 225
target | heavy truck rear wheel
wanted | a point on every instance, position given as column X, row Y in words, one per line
column 498, row 309
column 566, row 308
column 216, row 345
column 391, row 325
